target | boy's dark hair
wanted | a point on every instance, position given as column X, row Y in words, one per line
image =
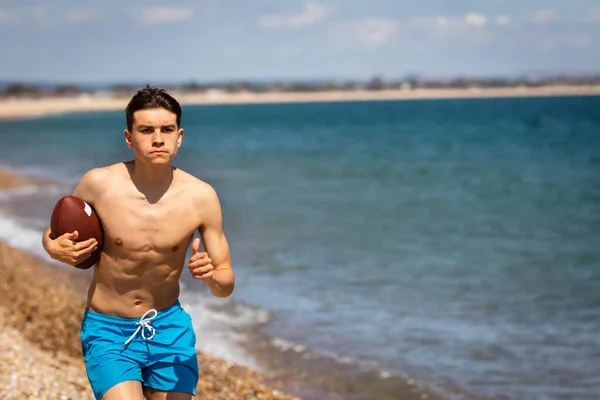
column 148, row 98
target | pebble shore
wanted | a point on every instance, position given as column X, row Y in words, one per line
column 41, row 307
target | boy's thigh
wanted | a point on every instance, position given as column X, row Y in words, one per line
column 127, row 390
column 153, row 394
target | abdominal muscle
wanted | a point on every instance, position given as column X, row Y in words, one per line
column 129, row 287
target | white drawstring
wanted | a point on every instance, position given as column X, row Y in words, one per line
column 143, row 323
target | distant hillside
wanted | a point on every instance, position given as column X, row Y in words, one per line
column 375, row 83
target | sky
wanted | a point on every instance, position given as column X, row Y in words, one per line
column 71, row 41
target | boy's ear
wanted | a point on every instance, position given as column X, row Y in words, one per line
column 128, row 138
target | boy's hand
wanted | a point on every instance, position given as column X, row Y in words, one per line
column 66, row 249
column 200, row 265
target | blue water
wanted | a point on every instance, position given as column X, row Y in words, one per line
column 454, row 241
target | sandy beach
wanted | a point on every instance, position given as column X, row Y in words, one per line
column 20, row 108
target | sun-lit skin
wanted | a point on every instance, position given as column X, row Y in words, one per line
column 155, row 137
column 150, row 211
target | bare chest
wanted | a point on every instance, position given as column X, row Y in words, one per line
column 134, row 225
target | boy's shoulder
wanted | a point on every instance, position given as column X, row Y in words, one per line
column 196, row 186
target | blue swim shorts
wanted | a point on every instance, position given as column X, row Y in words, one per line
column 157, row 349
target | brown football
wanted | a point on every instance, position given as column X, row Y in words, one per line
column 73, row 214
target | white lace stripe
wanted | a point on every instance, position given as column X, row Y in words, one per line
column 144, row 324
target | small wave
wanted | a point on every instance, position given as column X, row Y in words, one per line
column 353, row 377
column 287, row 345
column 223, row 325
column 17, row 234
column 373, row 366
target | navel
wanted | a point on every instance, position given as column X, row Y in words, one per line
column 175, row 248
column 118, row 241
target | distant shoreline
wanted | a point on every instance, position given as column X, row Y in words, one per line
column 25, row 108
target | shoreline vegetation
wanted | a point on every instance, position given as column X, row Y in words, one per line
column 41, row 307
column 26, row 104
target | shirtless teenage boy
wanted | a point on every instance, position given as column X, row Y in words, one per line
column 136, row 339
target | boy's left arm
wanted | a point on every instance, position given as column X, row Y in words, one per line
column 215, row 244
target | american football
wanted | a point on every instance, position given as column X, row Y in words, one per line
column 73, row 214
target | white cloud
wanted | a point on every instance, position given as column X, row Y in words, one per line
column 503, row 20
column 375, row 31
column 471, row 27
column 475, row 19
column 310, row 14
column 543, row 16
column 164, row 14
column 368, row 32
column 82, row 15
column 445, row 22
column 440, row 22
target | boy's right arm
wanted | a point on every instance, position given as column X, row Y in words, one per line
column 66, row 248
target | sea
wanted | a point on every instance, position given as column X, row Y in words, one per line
column 447, row 245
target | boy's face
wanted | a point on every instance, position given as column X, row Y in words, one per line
column 155, row 136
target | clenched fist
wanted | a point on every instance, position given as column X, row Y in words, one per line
column 200, row 265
